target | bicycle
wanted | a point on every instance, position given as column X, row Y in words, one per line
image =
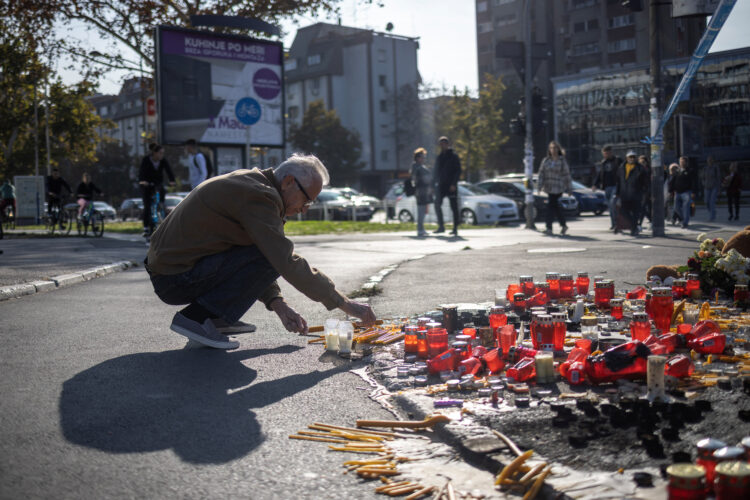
column 158, row 210
column 9, row 217
column 90, row 217
column 58, row 217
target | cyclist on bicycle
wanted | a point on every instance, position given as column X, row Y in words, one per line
column 55, row 185
column 85, row 193
column 7, row 197
column 151, row 178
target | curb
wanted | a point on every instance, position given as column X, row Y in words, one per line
column 63, row 280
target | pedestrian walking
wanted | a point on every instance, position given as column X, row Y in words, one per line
column 223, row 248
column 197, row 164
column 421, row 178
column 684, row 191
column 446, row 174
column 606, row 179
column 669, row 201
column 631, row 181
column 644, row 162
column 711, row 186
column 733, row 184
column 151, row 180
column 554, row 179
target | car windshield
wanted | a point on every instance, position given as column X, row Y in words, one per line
column 172, row 201
column 520, row 186
column 578, row 185
column 329, row 196
column 473, row 189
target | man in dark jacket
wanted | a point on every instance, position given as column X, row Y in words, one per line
column 446, row 174
column 631, row 181
column 606, row 179
column 685, row 184
column 55, row 186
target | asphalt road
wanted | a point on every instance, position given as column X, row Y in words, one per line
column 101, row 400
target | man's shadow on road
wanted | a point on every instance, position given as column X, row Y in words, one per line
column 196, row 402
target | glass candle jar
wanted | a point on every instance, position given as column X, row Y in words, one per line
column 527, row 285
column 450, row 318
column 560, row 329
column 544, row 334
column 732, row 480
column 519, row 303
column 640, row 326
column 686, row 482
column 604, row 291
column 422, row 350
column 553, row 279
column 706, row 448
column 693, row 286
column 498, row 318
column 615, row 308
column 567, row 290
column 679, row 288
column 647, row 302
column 410, row 338
column 422, row 322
column 741, row 295
column 346, row 336
column 662, row 306
column 331, row 334
column 437, row 341
column 582, row 283
column 462, row 349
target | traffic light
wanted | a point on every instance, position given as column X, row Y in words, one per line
column 633, row 5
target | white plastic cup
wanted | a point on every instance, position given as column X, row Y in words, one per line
column 346, row 334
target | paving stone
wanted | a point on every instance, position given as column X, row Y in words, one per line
column 68, row 279
column 14, row 291
column 44, row 286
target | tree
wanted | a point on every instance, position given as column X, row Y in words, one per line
column 130, row 23
column 323, row 135
column 72, row 121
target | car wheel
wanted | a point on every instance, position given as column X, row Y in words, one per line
column 405, row 216
column 468, row 217
column 598, row 212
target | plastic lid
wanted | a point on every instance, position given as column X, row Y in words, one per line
column 566, row 276
column 583, row 274
column 525, row 278
column 733, row 468
column 497, row 310
column 616, row 302
column 740, row 287
column 589, row 321
column 679, row 282
column 604, row 284
column 710, row 444
column 640, row 316
column 558, row 316
column 518, row 296
column 686, row 471
column 693, row 277
column 545, row 319
column 541, row 284
column 745, row 442
column 661, row 292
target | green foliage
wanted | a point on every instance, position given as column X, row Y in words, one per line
column 323, row 135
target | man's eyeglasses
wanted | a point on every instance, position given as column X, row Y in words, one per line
column 309, row 200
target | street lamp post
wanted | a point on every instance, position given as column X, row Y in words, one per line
column 528, row 142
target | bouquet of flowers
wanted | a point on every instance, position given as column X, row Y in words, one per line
column 717, row 271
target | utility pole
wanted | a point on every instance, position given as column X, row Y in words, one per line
column 657, row 169
column 528, row 142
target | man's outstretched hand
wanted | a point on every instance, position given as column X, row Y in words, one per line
column 291, row 320
column 361, row 311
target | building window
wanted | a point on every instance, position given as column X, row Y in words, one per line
column 290, row 64
column 506, row 19
column 383, row 155
column 103, row 111
column 381, row 80
column 293, row 112
column 584, row 49
column 484, row 27
column 381, row 55
column 313, row 59
column 620, row 21
column 383, row 105
column 621, row 45
column 482, row 7
column 315, row 84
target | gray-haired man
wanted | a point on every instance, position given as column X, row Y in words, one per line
column 223, row 247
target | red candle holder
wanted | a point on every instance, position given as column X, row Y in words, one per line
column 686, row 482
column 741, row 295
column 679, row 288
column 615, row 308
column 506, row 338
column 604, row 291
column 582, row 283
column 662, row 306
column 422, row 350
column 567, row 287
column 512, row 290
column 498, row 318
column 693, row 285
column 411, row 339
column 553, row 279
column 544, row 334
column 559, row 331
column 519, row 303
column 706, row 459
column 493, row 361
column 527, row 285
column 437, row 341
column 640, row 327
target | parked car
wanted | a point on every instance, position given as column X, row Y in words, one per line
column 394, row 193
column 589, row 200
column 170, row 202
column 359, row 198
column 476, row 206
column 131, row 208
column 514, row 189
column 338, row 207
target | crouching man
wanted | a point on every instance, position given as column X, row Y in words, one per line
column 223, row 247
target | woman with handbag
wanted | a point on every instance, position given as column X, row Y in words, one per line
column 421, row 179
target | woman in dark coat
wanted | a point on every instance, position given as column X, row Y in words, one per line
column 421, row 178
column 733, row 183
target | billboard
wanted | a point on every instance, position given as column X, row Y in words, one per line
column 202, row 76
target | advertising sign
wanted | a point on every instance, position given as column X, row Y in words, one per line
column 203, row 81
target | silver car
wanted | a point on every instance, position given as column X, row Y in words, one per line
column 475, row 206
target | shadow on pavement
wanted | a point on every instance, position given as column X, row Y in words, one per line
column 196, row 402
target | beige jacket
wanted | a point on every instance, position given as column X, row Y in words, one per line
column 241, row 208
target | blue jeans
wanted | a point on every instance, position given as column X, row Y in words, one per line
column 682, row 203
column 609, row 193
column 226, row 283
column 711, row 195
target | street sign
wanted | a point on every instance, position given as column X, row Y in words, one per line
column 248, row 111
column 151, row 109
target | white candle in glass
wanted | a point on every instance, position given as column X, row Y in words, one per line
column 331, row 334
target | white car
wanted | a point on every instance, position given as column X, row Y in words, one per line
column 475, row 206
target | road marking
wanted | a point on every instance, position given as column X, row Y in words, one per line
column 555, row 250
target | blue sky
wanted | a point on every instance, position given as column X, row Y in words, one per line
column 446, row 31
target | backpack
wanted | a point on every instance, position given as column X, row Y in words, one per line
column 209, row 166
column 409, row 188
